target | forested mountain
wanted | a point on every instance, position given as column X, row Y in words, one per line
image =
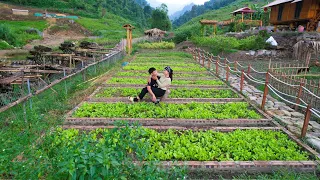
column 200, row 9
column 136, row 10
column 177, row 14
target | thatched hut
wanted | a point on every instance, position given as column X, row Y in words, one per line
column 155, row 33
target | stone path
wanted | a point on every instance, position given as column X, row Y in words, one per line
column 287, row 116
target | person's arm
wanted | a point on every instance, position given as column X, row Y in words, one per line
column 165, row 83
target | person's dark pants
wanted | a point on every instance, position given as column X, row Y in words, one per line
column 156, row 91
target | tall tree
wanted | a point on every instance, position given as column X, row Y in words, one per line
column 160, row 18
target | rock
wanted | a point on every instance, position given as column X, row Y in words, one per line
column 296, row 114
column 299, row 124
column 315, row 125
column 287, row 108
column 278, row 112
column 286, row 121
column 269, row 104
column 279, row 103
column 252, row 53
column 252, row 98
column 314, row 142
column 286, row 113
column 296, row 131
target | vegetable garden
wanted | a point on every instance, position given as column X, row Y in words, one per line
column 203, row 124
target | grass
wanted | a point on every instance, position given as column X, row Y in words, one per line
column 18, row 28
column 109, row 29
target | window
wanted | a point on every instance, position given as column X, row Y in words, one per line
column 298, row 9
column 281, row 6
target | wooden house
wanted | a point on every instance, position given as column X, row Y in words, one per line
column 295, row 13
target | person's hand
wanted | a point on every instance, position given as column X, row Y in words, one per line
column 154, row 98
column 155, row 78
column 149, row 80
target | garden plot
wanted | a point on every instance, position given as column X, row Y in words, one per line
column 143, row 81
column 219, row 136
column 177, row 75
column 168, row 114
column 233, row 151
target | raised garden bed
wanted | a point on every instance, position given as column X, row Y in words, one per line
column 174, row 82
column 234, row 110
column 110, row 92
column 235, row 151
column 175, row 69
column 176, row 74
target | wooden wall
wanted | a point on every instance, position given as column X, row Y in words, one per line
column 309, row 9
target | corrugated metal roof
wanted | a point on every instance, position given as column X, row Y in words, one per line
column 244, row 9
column 276, row 2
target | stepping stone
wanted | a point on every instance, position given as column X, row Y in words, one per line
column 287, row 108
column 252, row 98
column 287, row 113
column 287, row 122
column 297, row 114
column 315, row 125
column 296, row 131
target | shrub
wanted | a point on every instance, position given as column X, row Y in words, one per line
column 7, row 34
column 5, row 45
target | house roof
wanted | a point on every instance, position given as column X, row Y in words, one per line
column 244, row 10
column 154, row 31
column 276, row 2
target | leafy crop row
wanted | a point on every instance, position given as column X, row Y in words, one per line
column 175, row 68
column 209, row 145
column 174, row 82
column 187, row 111
column 175, row 93
column 157, row 45
column 142, row 74
column 166, row 54
column 163, row 64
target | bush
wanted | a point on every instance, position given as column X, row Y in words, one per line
column 7, row 34
column 220, row 44
column 158, row 45
column 5, row 45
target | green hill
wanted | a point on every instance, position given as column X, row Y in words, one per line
column 192, row 27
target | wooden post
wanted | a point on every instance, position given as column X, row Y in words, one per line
column 227, row 73
column 249, row 69
column 203, row 59
column 266, row 89
column 306, row 121
column 209, row 62
column 217, row 68
column 241, row 80
column 299, row 95
column 128, row 40
column 235, row 65
column 242, row 17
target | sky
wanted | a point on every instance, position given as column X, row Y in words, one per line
column 175, row 5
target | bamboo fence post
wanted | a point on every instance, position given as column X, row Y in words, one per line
column 265, row 93
column 306, row 121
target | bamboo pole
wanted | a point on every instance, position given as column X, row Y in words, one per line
column 265, row 93
column 306, row 121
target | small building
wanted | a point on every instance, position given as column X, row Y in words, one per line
column 157, row 33
column 294, row 13
column 20, row 12
column 243, row 11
